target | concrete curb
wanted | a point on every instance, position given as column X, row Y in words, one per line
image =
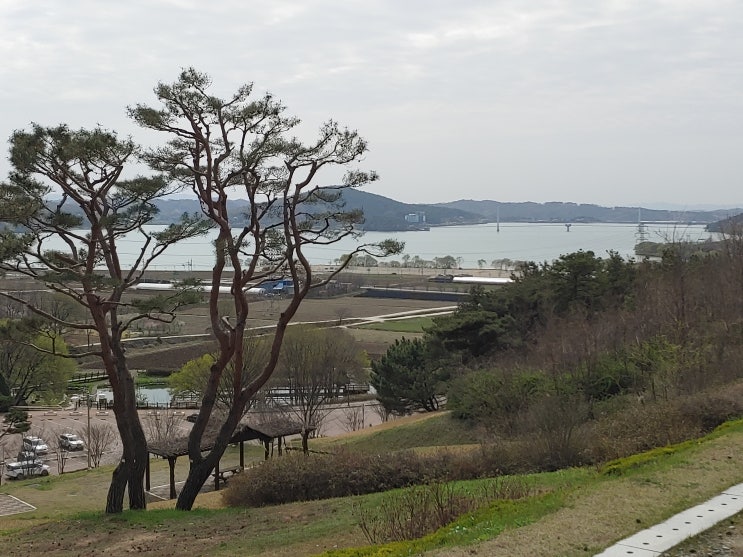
column 687, row 524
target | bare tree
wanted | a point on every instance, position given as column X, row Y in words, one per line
column 342, row 312
column 315, row 364
column 70, row 244
column 240, row 145
column 354, row 417
column 99, row 438
column 162, row 426
column 382, row 411
column 61, row 451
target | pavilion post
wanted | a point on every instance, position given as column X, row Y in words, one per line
column 171, row 464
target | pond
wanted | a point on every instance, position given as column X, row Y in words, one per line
column 150, row 395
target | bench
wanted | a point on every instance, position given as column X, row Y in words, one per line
column 228, row 472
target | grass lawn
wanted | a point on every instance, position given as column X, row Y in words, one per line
column 412, row 325
column 576, row 511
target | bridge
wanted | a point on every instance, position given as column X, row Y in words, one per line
column 88, row 377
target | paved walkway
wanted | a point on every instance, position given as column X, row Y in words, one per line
column 687, row 524
column 12, row 505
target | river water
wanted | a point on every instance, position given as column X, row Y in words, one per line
column 488, row 242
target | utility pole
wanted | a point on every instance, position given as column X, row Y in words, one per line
column 89, row 404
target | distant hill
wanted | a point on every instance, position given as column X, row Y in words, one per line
column 385, row 214
column 728, row 225
column 574, row 212
column 381, row 213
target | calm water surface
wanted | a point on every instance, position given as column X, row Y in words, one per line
column 528, row 242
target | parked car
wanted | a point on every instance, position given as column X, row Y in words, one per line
column 71, row 442
column 26, row 469
column 35, row 445
column 28, row 456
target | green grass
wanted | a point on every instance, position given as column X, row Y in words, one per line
column 151, row 381
column 438, row 430
column 412, row 325
column 483, row 524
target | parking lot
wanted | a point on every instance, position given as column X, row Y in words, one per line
column 50, row 424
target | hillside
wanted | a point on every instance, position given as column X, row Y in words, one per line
column 579, row 512
column 385, row 214
column 381, row 213
column 574, row 212
column 727, row 225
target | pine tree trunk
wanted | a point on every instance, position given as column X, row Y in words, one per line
column 197, row 477
column 135, row 483
column 133, row 463
column 115, row 497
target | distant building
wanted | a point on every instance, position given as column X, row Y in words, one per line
column 416, row 218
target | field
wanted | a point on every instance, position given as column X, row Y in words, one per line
column 170, row 351
column 413, row 325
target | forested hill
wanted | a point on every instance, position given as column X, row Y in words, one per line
column 727, row 225
column 574, row 212
column 383, row 213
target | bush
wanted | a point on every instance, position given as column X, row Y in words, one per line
column 636, row 427
column 494, row 397
column 413, row 513
column 307, row 477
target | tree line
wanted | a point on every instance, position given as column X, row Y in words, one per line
column 417, row 262
column 577, row 339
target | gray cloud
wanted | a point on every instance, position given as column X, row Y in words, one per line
column 614, row 102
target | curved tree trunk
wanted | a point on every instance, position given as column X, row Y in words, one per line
column 135, row 481
column 200, row 470
column 198, row 474
column 115, row 497
column 131, row 470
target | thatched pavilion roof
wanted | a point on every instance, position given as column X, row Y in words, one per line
column 250, row 427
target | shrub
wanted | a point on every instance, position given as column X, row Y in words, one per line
column 308, row 477
column 413, row 513
column 557, row 423
column 494, row 397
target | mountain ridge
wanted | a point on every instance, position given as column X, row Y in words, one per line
column 386, row 214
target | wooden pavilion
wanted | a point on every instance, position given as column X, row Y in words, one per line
column 264, row 430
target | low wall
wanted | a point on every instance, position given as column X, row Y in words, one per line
column 407, row 294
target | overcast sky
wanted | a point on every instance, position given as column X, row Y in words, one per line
column 610, row 102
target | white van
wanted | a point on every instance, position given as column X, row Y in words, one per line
column 26, row 469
